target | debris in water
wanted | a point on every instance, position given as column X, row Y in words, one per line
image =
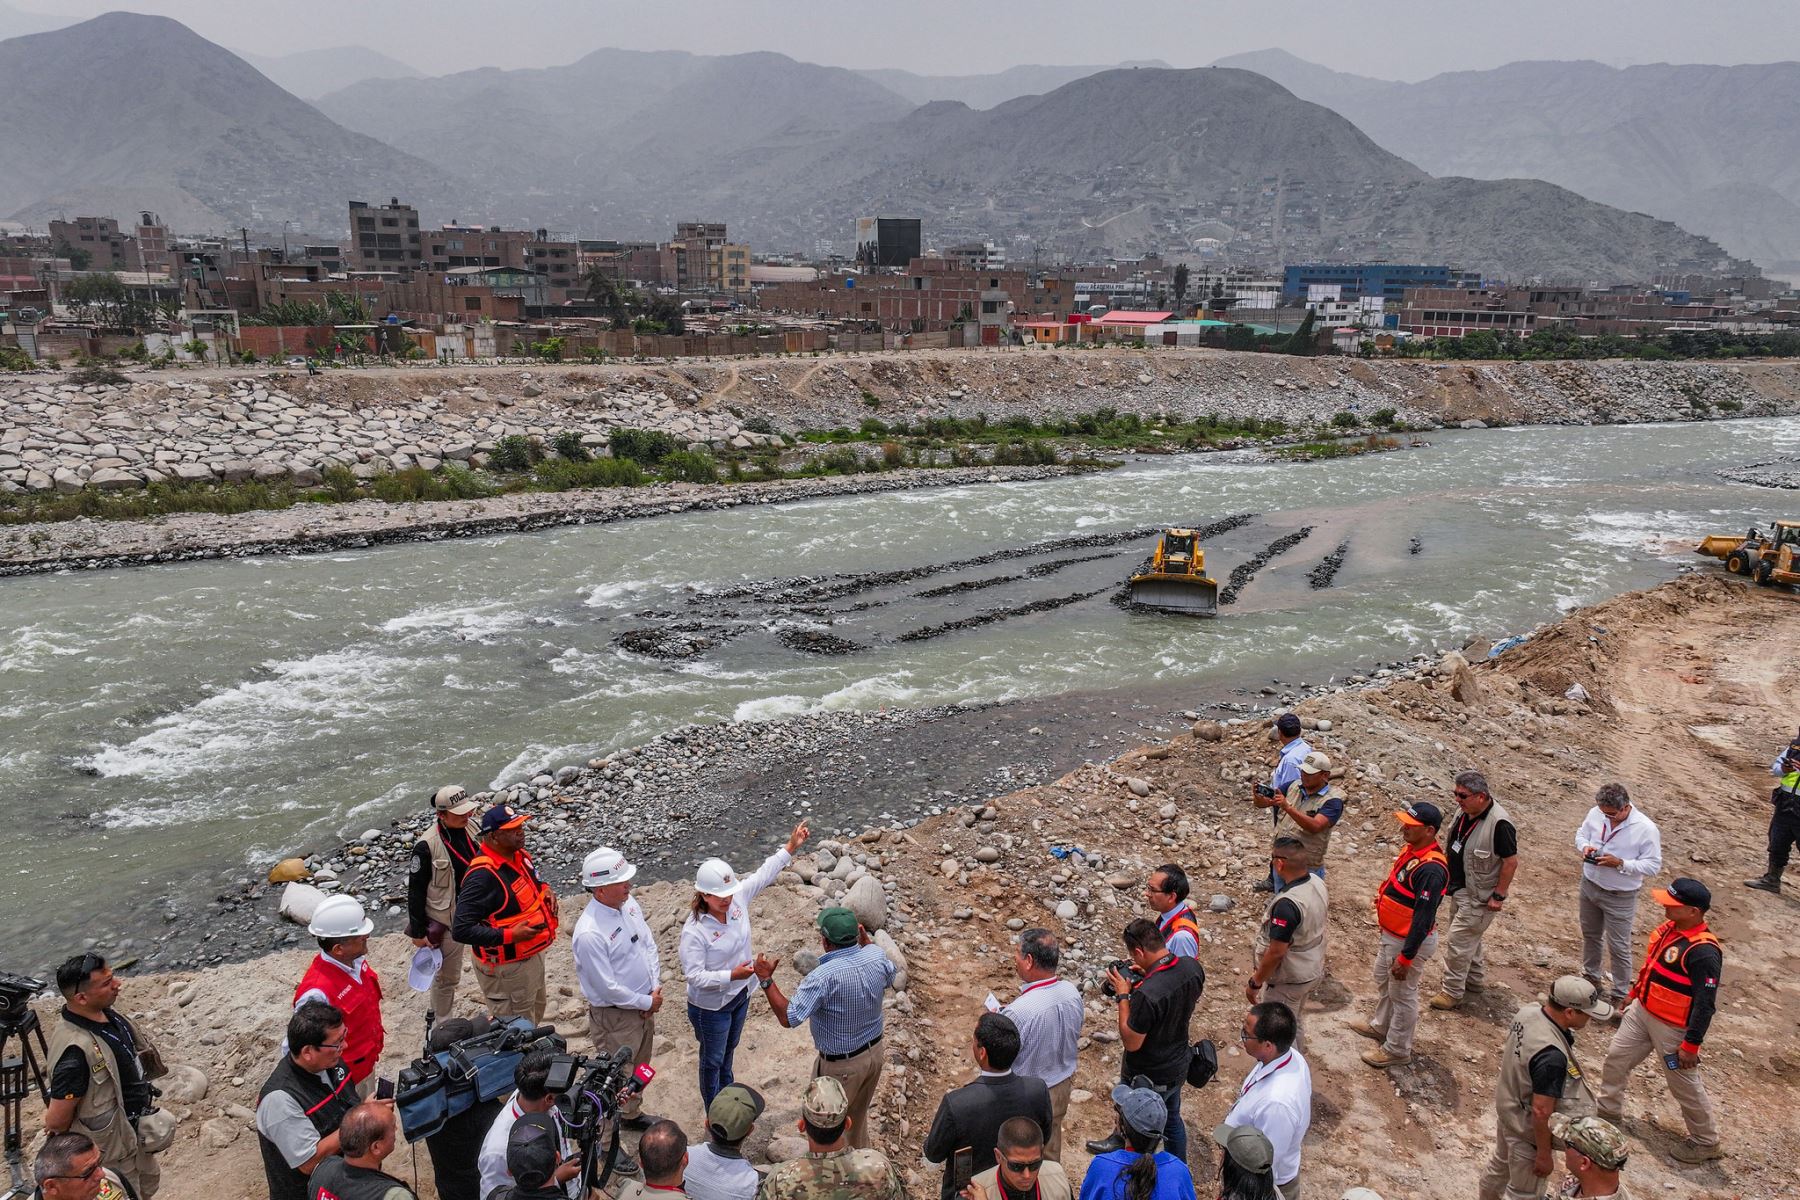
column 1322, row 575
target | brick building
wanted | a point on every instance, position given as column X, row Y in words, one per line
column 933, row 294
column 385, row 237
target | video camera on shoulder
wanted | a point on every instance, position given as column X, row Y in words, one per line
column 1123, row 967
column 435, row 1087
column 590, row 1093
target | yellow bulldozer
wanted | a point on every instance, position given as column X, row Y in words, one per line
column 1767, row 558
column 1177, row 581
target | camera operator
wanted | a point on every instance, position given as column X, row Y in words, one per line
column 533, row 1096
column 619, row 969
column 455, row 1148
column 536, row 1158
column 1155, row 993
column 365, row 1140
column 68, row 1168
column 101, row 1067
column 304, row 1101
column 664, row 1152
column 1784, row 825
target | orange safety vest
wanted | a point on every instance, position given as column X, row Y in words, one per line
column 1394, row 902
column 1663, row 986
column 527, row 901
column 1182, row 920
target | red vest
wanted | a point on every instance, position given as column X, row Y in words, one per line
column 361, row 1006
column 1664, row 986
column 1395, row 901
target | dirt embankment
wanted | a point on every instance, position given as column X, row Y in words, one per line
column 1688, row 691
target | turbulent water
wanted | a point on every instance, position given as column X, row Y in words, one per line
column 163, row 729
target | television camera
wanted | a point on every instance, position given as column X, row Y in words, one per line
column 590, row 1092
column 435, row 1087
column 19, row 1069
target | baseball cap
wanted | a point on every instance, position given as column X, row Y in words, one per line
column 1287, row 723
column 825, row 1104
column 531, row 1149
column 1421, row 812
column 1684, row 891
column 1247, row 1145
column 1140, row 1106
column 733, row 1111
column 1572, row 991
column 605, row 866
column 1315, row 763
column 502, row 816
column 838, row 924
column 1595, row 1137
column 453, row 799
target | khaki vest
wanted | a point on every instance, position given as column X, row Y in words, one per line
column 1481, row 866
column 1316, row 843
column 440, row 893
column 1532, row 1031
column 1305, row 959
column 101, row 1113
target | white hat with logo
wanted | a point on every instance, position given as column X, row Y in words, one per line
column 605, row 867
column 716, row 878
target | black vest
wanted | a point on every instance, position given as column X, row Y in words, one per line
column 324, row 1107
column 335, row 1179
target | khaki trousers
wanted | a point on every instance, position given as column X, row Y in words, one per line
column 1465, row 961
column 443, row 986
column 1508, row 1175
column 141, row 1171
column 1059, row 1108
column 1294, row 996
column 613, row 1028
column 1289, row 1190
column 1397, row 1000
column 1610, row 916
column 514, row 989
column 1639, row 1035
column 859, row 1074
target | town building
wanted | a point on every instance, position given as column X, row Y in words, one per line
column 888, row 242
column 93, row 244
column 931, row 295
column 707, row 261
column 385, row 237
column 1356, row 280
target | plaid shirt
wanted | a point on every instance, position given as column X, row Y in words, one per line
column 842, row 996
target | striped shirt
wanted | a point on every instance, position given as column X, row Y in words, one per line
column 842, row 998
column 1048, row 1014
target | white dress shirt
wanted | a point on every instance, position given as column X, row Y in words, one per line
column 1277, row 1100
column 1048, row 1013
column 714, row 1176
column 1635, row 840
column 710, row 948
column 616, row 961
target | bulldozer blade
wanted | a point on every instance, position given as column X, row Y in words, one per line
column 1193, row 597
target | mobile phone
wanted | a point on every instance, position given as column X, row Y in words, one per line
column 962, row 1169
column 1264, row 790
column 1672, row 1062
column 384, row 1089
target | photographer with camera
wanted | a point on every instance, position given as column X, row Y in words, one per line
column 304, row 1100
column 1620, row 848
column 1155, row 993
column 1784, row 824
column 618, row 967
column 100, row 1073
column 533, row 1096
column 1307, row 809
column 455, row 1148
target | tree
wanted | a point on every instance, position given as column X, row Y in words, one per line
column 101, row 291
column 1302, row 340
column 79, row 259
column 615, row 301
column 1181, row 282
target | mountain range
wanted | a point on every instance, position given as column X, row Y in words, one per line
column 986, row 91
column 125, row 112
column 310, row 74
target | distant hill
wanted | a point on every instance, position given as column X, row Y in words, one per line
column 1716, row 148
column 128, row 111
column 310, row 74
column 15, row 22
column 986, row 91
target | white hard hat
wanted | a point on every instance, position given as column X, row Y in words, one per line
column 716, row 878
column 340, row 917
column 605, row 866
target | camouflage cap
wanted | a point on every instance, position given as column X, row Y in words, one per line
column 825, row 1104
column 1600, row 1140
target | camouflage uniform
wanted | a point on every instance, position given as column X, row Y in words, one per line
column 844, row 1174
column 1598, row 1139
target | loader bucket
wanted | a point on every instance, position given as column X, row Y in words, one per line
column 1192, row 595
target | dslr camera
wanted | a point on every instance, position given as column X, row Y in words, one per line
column 1123, row 967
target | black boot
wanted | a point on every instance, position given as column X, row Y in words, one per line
column 1765, row 883
column 1107, row 1145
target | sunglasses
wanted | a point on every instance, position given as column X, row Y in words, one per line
column 1462, row 795
column 1027, row 1167
column 85, row 1175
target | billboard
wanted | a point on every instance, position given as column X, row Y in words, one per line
column 888, row 241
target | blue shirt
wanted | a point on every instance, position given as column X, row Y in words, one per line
column 842, row 997
column 1287, row 771
column 1105, row 1178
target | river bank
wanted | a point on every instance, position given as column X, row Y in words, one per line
column 1686, row 691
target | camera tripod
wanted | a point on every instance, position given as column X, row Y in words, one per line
column 18, row 1071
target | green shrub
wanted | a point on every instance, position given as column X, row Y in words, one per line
column 760, row 424
column 514, row 453
column 462, row 483
column 874, row 428
column 870, row 398
column 1384, row 416
column 568, row 444
column 644, row 446
column 1345, row 420
column 689, row 466
column 14, row 359
column 1028, row 453
column 839, row 462
column 342, row 483
column 561, row 475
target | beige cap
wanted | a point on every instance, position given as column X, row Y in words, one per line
column 1316, row 763
column 453, row 799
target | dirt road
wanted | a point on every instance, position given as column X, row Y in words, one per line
column 1690, row 694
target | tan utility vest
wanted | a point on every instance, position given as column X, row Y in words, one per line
column 1305, row 959
column 1316, row 843
column 1532, row 1031
column 1481, row 866
column 440, row 893
column 101, row 1113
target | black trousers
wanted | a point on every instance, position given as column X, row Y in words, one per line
column 1784, row 832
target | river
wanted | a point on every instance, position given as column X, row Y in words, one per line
column 165, row 729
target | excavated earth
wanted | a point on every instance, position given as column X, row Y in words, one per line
column 1688, row 693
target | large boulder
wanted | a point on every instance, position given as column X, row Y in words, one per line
column 299, row 901
column 866, row 899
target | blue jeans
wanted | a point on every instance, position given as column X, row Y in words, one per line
column 1175, row 1132
column 718, row 1033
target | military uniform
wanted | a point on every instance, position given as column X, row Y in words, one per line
column 1601, row 1142
column 845, row 1174
column 1509, row 1172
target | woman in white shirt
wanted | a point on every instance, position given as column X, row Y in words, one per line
column 716, row 958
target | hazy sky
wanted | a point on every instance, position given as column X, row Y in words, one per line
column 1395, row 39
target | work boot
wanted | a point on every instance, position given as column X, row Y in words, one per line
column 625, row 1164
column 1380, row 1058
column 1764, row 883
column 640, row 1122
column 1444, row 1002
column 1476, row 985
column 1693, row 1152
column 1107, row 1145
column 1365, row 1029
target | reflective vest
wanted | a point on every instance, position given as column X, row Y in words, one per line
column 361, row 1005
column 1395, row 901
column 1180, row 919
column 527, row 902
column 1663, row 986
